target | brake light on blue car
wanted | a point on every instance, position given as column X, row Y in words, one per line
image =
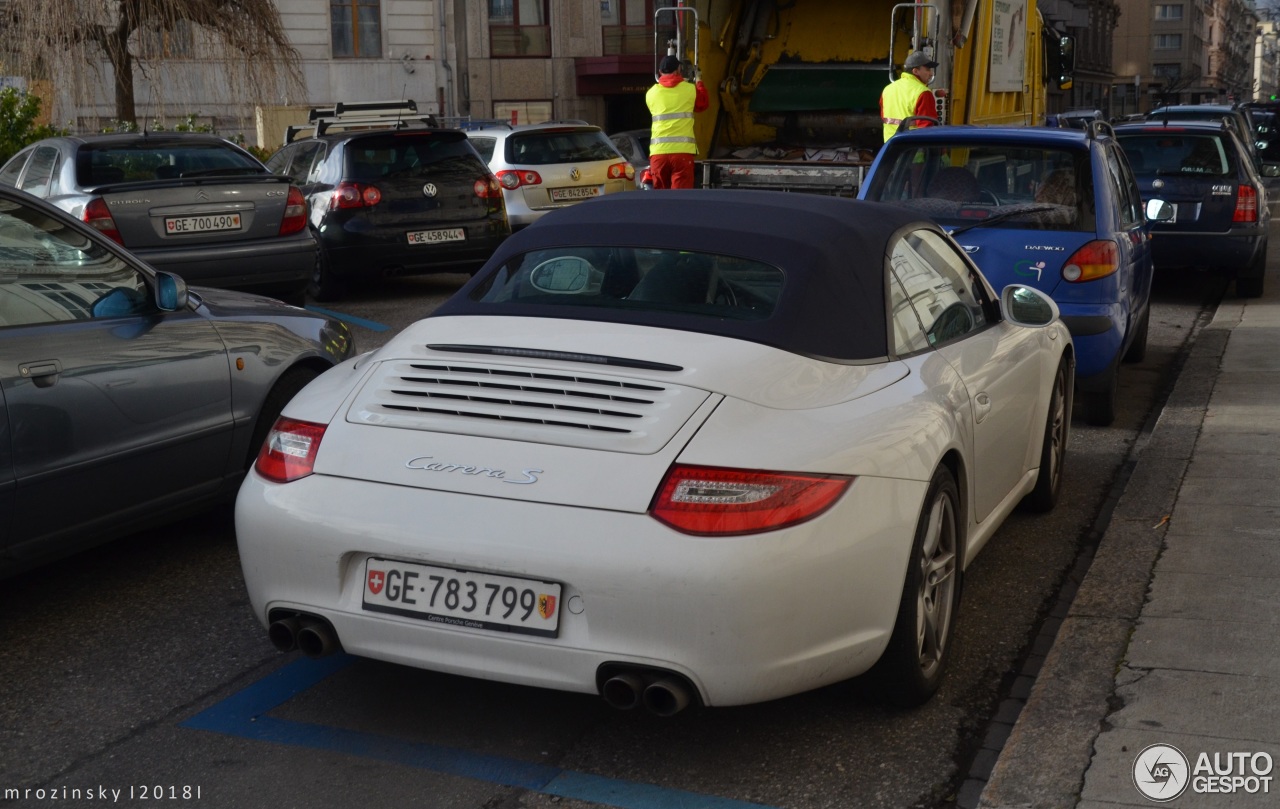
column 1246, row 204
column 1096, row 259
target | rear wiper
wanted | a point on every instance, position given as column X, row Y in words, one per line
column 1000, row 217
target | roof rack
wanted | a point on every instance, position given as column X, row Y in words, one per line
column 361, row 115
column 1099, row 128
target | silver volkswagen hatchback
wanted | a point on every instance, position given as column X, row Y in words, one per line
column 189, row 203
column 542, row 167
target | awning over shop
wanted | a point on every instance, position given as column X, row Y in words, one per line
column 613, row 75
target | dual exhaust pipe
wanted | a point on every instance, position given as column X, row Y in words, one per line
column 312, row 636
column 659, row 692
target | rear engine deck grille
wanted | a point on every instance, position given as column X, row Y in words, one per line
column 530, row 404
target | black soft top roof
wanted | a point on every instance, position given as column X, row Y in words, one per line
column 831, row 251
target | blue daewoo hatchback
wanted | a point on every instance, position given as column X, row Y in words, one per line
column 1057, row 209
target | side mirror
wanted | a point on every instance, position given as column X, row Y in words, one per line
column 1027, row 306
column 1066, row 61
column 171, row 292
column 1160, row 211
column 1271, row 170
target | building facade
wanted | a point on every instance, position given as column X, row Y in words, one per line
column 1184, row 52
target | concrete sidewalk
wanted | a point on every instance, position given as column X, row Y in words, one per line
column 1171, row 639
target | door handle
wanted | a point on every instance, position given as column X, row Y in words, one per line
column 43, row 373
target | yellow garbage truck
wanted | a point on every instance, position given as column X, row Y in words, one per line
column 795, row 84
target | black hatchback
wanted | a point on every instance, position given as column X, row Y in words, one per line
column 394, row 202
column 1219, row 203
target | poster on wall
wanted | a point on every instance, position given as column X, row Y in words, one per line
column 1008, row 46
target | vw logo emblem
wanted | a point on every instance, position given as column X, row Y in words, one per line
column 429, row 189
column 574, row 174
column 1157, row 184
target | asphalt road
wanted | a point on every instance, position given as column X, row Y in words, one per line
column 138, row 668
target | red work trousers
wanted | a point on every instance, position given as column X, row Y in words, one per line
column 671, row 170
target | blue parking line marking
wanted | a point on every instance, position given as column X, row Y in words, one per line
column 351, row 319
column 243, row 714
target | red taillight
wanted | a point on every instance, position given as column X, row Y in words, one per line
column 1246, row 204
column 512, row 179
column 295, row 213
column 619, row 170
column 98, row 217
column 1097, row 259
column 354, row 195
column 488, row 188
column 713, row 501
column 290, row 450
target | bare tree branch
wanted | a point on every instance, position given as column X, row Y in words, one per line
column 234, row 51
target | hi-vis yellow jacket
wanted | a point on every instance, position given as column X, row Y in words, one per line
column 904, row 98
column 672, row 102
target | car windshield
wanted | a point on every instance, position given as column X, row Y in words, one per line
column 636, row 279
column 149, row 159
column 549, row 146
column 961, row 184
column 410, row 157
column 1176, row 153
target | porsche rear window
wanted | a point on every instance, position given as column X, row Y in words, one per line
column 636, row 279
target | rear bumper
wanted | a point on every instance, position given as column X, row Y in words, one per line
column 1097, row 330
column 1223, row 253
column 372, row 254
column 279, row 263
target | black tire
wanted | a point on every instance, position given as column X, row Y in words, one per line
column 1251, row 280
column 1250, row 287
column 911, row 668
column 1053, row 448
column 286, row 387
column 1137, row 351
column 325, row 286
column 1099, row 405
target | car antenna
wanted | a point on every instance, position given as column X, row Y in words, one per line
column 404, row 92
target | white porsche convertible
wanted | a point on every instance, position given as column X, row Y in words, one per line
column 678, row 448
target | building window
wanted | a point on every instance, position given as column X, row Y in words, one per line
column 519, row 28
column 1168, row 42
column 356, row 27
column 1169, row 11
column 1168, row 72
column 627, row 26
